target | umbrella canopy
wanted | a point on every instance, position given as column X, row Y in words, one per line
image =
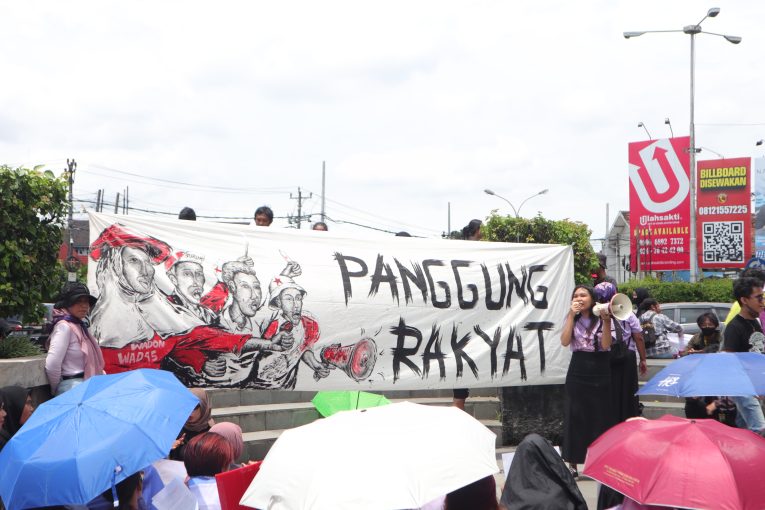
column 331, row 402
column 76, row 445
column 728, row 374
column 396, row 456
column 681, row 463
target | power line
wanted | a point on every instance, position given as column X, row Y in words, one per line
column 193, row 185
column 152, row 211
column 165, row 186
column 167, row 213
column 388, row 221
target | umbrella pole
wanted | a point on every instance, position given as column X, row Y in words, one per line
column 115, row 498
column 358, row 397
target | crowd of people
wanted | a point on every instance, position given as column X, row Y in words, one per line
column 608, row 353
column 602, row 377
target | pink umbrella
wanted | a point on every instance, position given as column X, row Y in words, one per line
column 681, row 463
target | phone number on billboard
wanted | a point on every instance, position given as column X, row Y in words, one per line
column 723, row 209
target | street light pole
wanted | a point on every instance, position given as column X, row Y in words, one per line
column 490, row 192
column 516, row 211
column 692, row 30
column 532, row 196
column 694, row 269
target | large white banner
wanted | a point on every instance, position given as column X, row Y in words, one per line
column 242, row 306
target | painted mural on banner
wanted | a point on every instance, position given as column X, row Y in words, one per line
column 724, row 222
column 759, row 210
column 225, row 305
column 659, row 175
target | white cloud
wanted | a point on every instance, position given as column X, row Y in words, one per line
column 412, row 104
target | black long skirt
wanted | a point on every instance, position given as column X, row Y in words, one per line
column 624, row 385
column 587, row 409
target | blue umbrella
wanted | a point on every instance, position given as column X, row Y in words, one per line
column 727, row 374
column 78, row 444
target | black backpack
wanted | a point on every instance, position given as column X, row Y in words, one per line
column 649, row 330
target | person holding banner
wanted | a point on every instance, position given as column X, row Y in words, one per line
column 470, row 232
column 587, row 407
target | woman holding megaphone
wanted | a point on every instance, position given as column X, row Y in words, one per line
column 626, row 344
column 587, row 407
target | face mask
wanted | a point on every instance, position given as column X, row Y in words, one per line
column 708, row 331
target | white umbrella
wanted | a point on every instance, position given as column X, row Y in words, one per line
column 397, row 456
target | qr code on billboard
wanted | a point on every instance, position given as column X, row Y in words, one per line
column 723, row 241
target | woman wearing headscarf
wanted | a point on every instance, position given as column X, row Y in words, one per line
column 539, row 478
column 73, row 353
column 199, row 422
column 16, row 408
column 587, row 405
column 626, row 345
column 233, row 434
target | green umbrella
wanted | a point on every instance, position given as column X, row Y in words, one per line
column 331, row 402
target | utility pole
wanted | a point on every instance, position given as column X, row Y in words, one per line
column 323, row 190
column 300, row 198
column 98, row 201
column 448, row 220
column 127, row 199
column 71, row 267
column 71, row 167
column 117, row 203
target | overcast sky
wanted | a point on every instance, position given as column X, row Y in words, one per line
column 413, row 105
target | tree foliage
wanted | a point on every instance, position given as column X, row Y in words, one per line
column 543, row 231
column 33, row 207
column 715, row 290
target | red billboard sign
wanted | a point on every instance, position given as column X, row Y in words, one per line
column 659, row 174
column 723, row 220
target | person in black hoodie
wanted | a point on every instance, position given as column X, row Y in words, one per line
column 17, row 405
column 539, row 479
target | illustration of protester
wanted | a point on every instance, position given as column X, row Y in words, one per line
column 278, row 370
column 188, row 277
column 245, row 296
column 138, row 327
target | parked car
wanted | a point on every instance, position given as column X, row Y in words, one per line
column 39, row 332
column 687, row 313
column 11, row 325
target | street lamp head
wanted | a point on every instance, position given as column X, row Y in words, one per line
column 544, row 191
column 759, row 142
column 714, row 11
column 666, row 121
column 732, row 39
column 692, row 29
column 488, row 192
column 627, row 35
column 640, row 124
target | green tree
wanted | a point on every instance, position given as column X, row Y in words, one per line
column 543, row 231
column 33, row 207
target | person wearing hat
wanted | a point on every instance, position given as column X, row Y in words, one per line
column 73, row 353
column 600, row 275
column 278, row 369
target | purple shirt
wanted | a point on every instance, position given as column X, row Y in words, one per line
column 629, row 326
column 582, row 340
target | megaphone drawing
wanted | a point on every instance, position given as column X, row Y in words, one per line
column 620, row 307
column 357, row 360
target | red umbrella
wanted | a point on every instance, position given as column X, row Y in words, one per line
column 681, row 463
